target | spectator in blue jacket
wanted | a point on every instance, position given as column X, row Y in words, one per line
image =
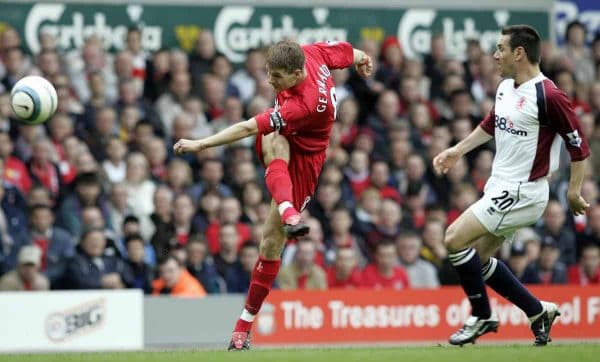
column 201, row 265
column 91, row 269
column 56, row 244
column 238, row 277
column 13, row 224
column 88, row 192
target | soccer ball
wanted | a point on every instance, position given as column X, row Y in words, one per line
column 33, row 99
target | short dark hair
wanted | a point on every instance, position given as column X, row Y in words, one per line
column 33, row 208
column 524, row 36
column 248, row 244
column 286, row 55
column 384, row 243
column 87, row 178
column 571, row 25
column 130, row 218
column 457, row 93
column 133, row 237
column 164, row 260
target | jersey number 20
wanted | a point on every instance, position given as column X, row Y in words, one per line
column 503, row 202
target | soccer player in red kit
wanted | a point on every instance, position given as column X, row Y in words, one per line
column 292, row 139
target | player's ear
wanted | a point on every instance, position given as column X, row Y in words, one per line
column 519, row 53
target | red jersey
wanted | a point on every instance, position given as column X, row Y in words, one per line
column 373, row 279
column 354, row 280
column 305, row 113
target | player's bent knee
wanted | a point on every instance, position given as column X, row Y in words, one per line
column 272, row 243
column 452, row 239
column 271, row 248
column 276, row 147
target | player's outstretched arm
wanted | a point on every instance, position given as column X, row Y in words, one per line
column 363, row 63
column 447, row 158
column 576, row 201
column 230, row 134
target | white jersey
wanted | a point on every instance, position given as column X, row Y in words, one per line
column 528, row 122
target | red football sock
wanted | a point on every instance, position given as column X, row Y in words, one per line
column 279, row 183
column 262, row 278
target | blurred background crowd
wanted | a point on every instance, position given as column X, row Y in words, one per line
column 95, row 198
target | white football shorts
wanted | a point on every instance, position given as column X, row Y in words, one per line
column 508, row 206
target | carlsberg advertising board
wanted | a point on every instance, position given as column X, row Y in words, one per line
column 239, row 28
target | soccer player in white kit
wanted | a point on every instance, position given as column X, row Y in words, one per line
column 529, row 120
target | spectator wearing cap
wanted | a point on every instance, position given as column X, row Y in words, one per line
column 548, row 268
column 27, row 275
column 520, row 266
column 92, row 269
column 587, row 271
column 555, row 232
column 392, row 59
column 174, row 280
column 56, row 245
column 88, row 192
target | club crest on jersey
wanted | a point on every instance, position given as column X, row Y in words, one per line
column 574, row 139
column 521, row 103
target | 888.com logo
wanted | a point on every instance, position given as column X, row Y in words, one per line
column 506, row 125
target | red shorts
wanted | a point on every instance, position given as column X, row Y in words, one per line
column 304, row 171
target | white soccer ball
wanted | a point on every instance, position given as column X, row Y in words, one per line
column 33, row 99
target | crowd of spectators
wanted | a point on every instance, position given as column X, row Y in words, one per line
column 95, row 197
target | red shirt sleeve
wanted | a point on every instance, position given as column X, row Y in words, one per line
column 489, row 122
column 290, row 117
column 337, row 54
column 561, row 117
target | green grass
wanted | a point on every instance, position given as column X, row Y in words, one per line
column 489, row 353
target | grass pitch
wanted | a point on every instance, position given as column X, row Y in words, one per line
column 489, row 353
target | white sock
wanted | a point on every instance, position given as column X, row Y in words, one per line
column 247, row 316
column 283, row 206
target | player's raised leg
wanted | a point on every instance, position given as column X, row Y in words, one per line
column 496, row 274
column 460, row 239
column 276, row 156
column 263, row 276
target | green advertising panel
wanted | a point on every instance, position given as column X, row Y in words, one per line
column 239, row 28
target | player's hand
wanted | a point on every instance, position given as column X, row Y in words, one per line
column 365, row 67
column 445, row 160
column 186, row 146
column 577, row 203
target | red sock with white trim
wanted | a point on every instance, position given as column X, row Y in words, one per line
column 261, row 280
